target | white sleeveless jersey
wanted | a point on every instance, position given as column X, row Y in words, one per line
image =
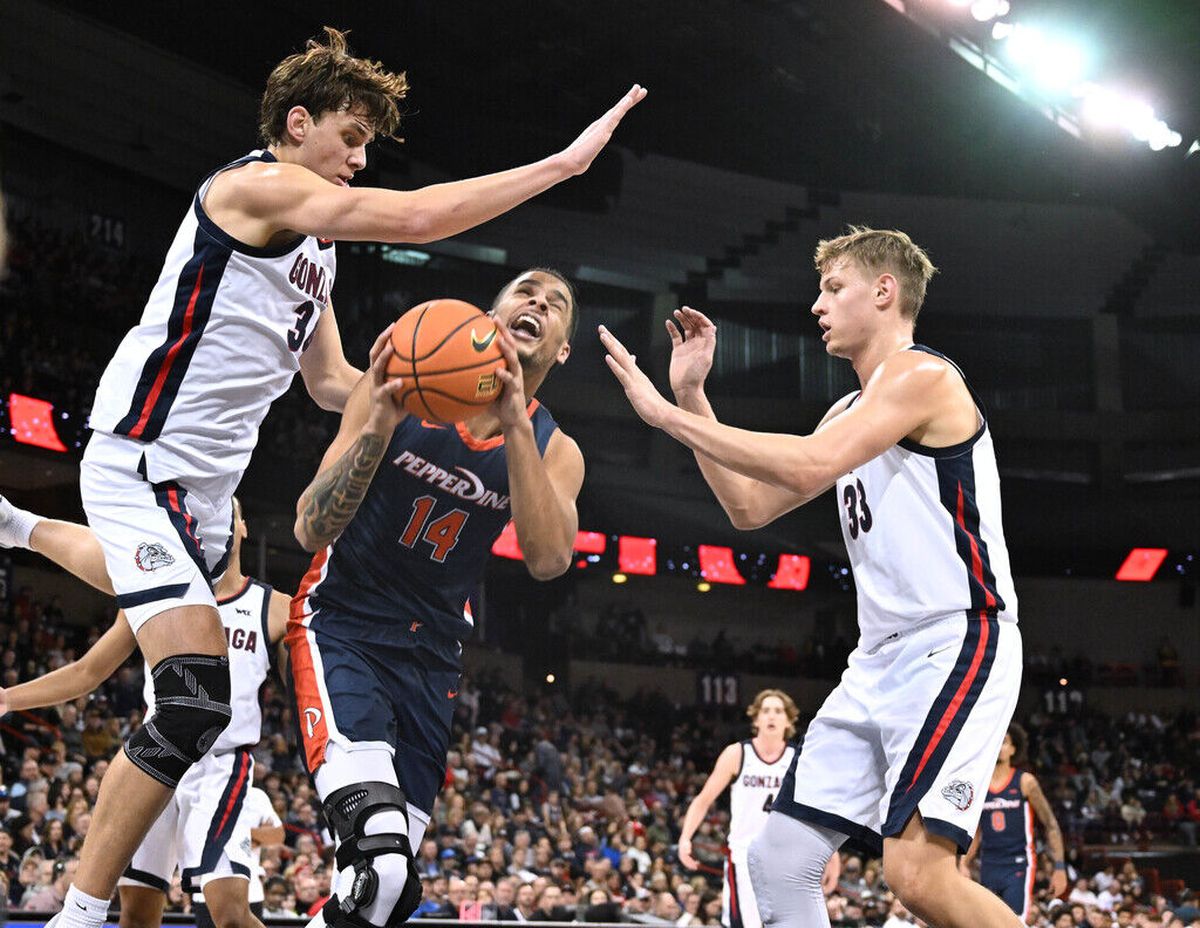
column 245, row 617
column 923, row 530
column 219, row 340
column 752, row 792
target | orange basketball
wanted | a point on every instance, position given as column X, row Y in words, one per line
column 447, row 353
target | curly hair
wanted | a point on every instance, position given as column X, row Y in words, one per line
column 326, row 78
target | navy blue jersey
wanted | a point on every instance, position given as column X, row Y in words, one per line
column 403, row 570
column 1007, row 824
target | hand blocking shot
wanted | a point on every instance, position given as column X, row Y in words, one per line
column 922, row 709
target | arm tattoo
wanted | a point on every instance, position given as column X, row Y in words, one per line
column 334, row 496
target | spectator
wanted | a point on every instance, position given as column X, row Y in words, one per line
column 49, row 898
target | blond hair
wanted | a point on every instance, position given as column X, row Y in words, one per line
column 882, row 251
column 326, row 78
column 789, row 709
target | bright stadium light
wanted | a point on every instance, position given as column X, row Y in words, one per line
column 1025, row 43
column 1001, row 31
column 985, row 10
column 1058, row 65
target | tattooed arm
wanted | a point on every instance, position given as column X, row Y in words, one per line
column 371, row 415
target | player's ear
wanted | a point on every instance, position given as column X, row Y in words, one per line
column 296, row 124
column 885, row 290
column 563, row 353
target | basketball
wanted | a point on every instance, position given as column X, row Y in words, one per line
column 447, row 353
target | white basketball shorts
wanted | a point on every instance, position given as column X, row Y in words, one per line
column 914, row 725
column 739, row 908
column 202, row 828
column 163, row 544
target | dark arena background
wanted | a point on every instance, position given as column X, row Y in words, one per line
column 1046, row 153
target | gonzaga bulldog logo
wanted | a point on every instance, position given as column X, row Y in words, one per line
column 151, row 556
column 959, row 794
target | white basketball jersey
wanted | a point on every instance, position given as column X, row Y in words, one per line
column 245, row 617
column 752, row 792
column 219, row 340
column 923, row 530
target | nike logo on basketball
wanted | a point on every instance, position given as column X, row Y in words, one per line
column 482, row 344
column 312, row 717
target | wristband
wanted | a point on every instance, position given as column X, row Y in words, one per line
column 1060, row 865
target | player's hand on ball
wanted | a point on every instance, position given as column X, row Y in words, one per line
column 580, row 154
column 647, row 402
column 510, row 404
column 385, row 409
column 693, row 341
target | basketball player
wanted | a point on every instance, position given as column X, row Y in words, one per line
column 1004, row 841
column 202, row 828
column 257, row 825
column 753, row 770
column 402, row 516
column 242, row 304
column 901, row 752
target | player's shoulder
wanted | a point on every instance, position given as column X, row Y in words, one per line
column 258, row 182
column 914, row 370
column 1028, row 783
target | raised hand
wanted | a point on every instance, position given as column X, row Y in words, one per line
column 385, row 409
column 647, row 402
column 580, row 154
column 510, row 404
column 693, row 341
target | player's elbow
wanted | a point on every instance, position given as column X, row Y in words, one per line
column 746, row 519
column 548, row 566
column 304, row 538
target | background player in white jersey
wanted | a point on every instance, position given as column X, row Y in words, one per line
column 204, row 827
column 242, row 303
column 753, row 769
column 900, row 754
column 258, row 826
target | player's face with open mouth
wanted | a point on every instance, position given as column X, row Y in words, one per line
column 536, row 311
column 843, row 307
column 335, row 145
column 771, row 716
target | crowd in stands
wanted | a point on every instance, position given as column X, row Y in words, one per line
column 567, row 805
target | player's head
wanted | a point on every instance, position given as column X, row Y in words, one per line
column 870, row 278
column 773, row 712
column 1013, row 748
column 240, row 531
column 539, row 308
column 323, row 105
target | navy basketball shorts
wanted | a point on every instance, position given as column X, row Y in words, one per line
column 1013, row 883
column 363, row 696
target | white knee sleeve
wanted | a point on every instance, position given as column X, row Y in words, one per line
column 786, row 862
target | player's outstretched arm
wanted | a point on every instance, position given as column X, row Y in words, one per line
column 542, row 490
column 328, row 376
column 77, row 678
column 723, row 772
column 1054, row 838
column 372, row 413
column 288, row 196
column 748, row 502
column 902, row 395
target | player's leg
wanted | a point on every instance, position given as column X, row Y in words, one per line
column 154, row 541
column 144, row 884
column 921, row 868
column 348, row 733
column 141, row 907
column 820, row 803
column 786, row 861
column 967, row 671
column 70, row 545
column 227, row 904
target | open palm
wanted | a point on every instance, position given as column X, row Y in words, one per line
column 693, row 341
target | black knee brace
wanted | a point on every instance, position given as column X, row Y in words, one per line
column 191, row 709
column 348, row 810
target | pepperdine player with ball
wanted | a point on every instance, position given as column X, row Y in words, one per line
column 402, row 515
column 242, row 304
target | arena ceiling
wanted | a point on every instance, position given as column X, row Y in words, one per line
column 848, row 95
